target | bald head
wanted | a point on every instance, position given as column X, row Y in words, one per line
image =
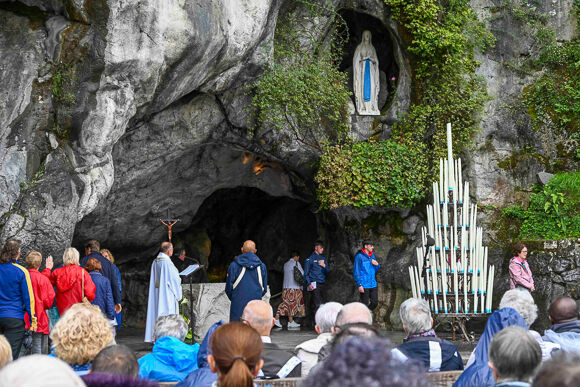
column 563, row 309
column 259, row 315
column 166, row 247
column 355, row 312
column 249, row 247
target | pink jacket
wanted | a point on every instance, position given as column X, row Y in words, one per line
column 519, row 275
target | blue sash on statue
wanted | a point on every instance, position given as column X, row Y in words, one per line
column 367, row 81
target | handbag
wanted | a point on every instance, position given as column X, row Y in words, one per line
column 298, row 277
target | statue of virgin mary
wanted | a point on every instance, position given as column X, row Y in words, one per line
column 366, row 77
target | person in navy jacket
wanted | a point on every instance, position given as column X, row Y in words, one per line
column 365, row 267
column 315, row 271
column 103, row 293
column 247, row 280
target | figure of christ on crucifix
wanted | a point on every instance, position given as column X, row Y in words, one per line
column 169, row 223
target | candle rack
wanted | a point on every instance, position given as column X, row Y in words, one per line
column 453, row 274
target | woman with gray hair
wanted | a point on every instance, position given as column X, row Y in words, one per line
column 171, row 360
column 307, row 351
column 73, row 283
column 522, row 301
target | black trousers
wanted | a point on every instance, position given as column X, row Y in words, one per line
column 13, row 329
column 373, row 295
column 318, row 296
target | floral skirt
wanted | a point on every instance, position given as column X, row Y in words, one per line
column 292, row 303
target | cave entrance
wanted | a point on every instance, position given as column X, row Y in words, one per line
column 356, row 23
column 230, row 216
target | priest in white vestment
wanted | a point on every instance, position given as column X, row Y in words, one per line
column 164, row 289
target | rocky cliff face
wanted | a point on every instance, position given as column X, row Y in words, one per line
column 113, row 113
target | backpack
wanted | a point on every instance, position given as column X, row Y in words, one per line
column 298, row 277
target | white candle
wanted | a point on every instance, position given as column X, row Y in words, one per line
column 490, row 289
column 460, row 181
column 441, row 179
column 466, row 203
column 417, row 281
column 446, row 185
column 444, row 282
column 413, row 290
column 429, row 220
column 445, row 225
column 449, row 142
column 465, row 289
column 455, row 283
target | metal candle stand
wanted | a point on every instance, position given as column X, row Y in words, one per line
column 452, row 272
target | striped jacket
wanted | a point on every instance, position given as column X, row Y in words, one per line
column 435, row 353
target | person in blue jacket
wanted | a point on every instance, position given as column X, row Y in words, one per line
column 365, row 267
column 171, row 359
column 315, row 271
column 246, row 280
column 479, row 374
column 202, row 376
column 103, row 293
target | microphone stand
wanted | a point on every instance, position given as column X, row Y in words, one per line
column 425, row 272
column 430, row 242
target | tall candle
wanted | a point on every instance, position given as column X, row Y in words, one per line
column 455, row 284
column 412, row 277
column 441, row 180
column 465, row 310
column 460, row 179
column 417, row 281
column 449, row 143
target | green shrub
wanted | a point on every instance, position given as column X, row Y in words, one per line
column 443, row 37
column 302, row 90
column 553, row 212
column 382, row 173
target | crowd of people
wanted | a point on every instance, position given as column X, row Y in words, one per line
column 348, row 350
column 31, row 301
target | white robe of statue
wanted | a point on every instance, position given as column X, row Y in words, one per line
column 366, row 60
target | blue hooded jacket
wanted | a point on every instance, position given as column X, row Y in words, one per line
column 202, row 377
column 364, row 271
column 249, row 287
column 171, row 360
column 313, row 272
column 479, row 374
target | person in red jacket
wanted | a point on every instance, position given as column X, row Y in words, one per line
column 43, row 299
column 69, row 281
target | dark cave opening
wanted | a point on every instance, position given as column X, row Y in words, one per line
column 230, row 216
column 356, row 23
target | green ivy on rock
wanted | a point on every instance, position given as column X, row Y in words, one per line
column 442, row 37
column 383, row 173
column 302, row 90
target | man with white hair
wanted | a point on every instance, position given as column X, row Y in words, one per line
column 354, row 319
column 308, row 351
column 277, row 363
column 514, row 356
column 422, row 343
column 171, row 360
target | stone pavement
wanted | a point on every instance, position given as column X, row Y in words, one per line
column 133, row 338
